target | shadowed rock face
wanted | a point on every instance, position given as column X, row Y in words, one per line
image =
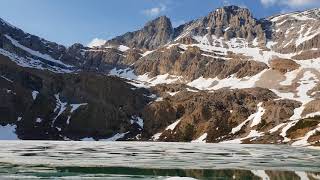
column 105, row 105
column 154, row 34
column 72, row 55
column 29, row 40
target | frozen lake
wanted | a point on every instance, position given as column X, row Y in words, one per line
column 148, row 160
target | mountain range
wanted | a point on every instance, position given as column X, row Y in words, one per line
column 224, row 78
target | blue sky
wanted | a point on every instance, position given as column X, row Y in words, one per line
column 71, row 21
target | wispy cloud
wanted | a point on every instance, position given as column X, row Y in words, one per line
column 178, row 23
column 96, row 42
column 226, row 3
column 268, row 2
column 155, row 11
column 291, row 3
column 303, row 3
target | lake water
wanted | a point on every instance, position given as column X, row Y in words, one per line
column 147, row 160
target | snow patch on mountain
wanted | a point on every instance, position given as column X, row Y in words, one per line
column 144, row 80
column 173, row 125
column 261, row 173
column 96, row 42
column 33, row 63
column 36, row 53
column 286, row 128
column 74, row 107
column 252, row 135
column 115, row 137
column 201, row 139
column 35, row 94
column 255, row 119
column 231, row 82
column 7, row 79
column 61, row 106
column 123, row 48
column 138, row 120
column 307, row 83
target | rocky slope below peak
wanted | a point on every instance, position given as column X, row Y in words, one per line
column 192, row 63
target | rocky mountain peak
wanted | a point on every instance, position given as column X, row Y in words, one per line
column 160, row 22
column 228, row 22
column 154, row 34
column 77, row 46
column 231, row 16
column 232, row 10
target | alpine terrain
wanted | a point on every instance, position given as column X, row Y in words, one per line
column 224, row 78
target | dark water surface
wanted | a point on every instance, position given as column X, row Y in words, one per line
column 145, row 160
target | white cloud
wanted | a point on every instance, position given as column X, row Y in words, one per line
column 96, row 42
column 291, row 3
column 226, row 3
column 268, row 2
column 178, row 23
column 301, row 3
column 155, row 11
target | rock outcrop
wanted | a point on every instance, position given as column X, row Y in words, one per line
column 193, row 63
column 198, row 113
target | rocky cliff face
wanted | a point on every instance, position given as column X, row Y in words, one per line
column 46, row 105
column 192, row 63
column 226, row 77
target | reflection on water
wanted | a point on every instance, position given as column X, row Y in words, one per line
column 141, row 160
